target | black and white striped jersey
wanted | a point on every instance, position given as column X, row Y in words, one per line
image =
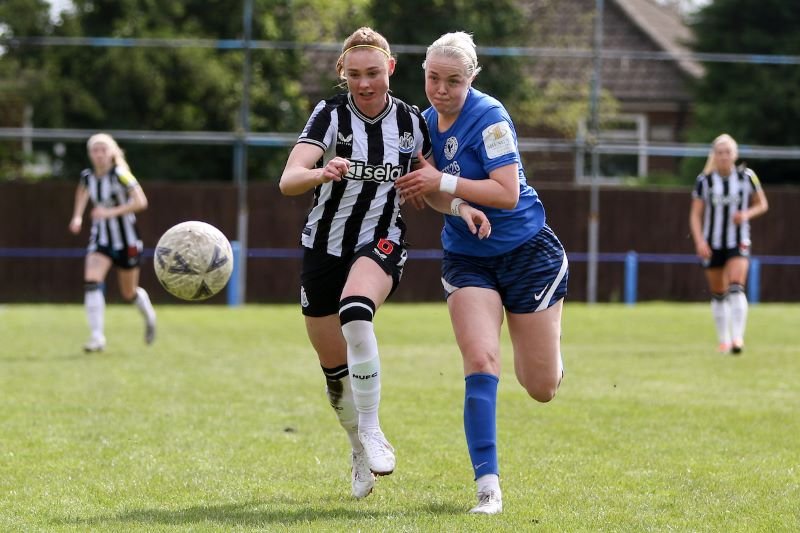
column 723, row 197
column 111, row 190
column 363, row 206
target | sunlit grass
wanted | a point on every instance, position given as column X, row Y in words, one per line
column 223, row 425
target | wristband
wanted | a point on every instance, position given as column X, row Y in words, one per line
column 454, row 205
column 448, row 183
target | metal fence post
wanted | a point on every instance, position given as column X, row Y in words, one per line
column 232, row 291
column 631, row 277
column 754, row 281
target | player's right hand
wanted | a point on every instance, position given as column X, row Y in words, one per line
column 335, row 169
column 75, row 225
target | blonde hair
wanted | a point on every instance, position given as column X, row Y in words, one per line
column 117, row 155
column 457, row 45
column 363, row 37
column 711, row 163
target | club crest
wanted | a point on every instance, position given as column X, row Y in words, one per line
column 450, row 148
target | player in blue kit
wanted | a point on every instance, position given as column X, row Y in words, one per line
column 520, row 270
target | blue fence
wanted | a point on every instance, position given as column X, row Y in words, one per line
column 631, row 261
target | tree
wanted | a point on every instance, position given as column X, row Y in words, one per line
column 492, row 23
column 189, row 88
column 17, row 18
column 755, row 103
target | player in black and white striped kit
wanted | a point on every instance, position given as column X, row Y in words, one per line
column 115, row 195
column 724, row 200
column 354, row 236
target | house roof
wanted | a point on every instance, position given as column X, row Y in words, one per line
column 666, row 28
column 628, row 25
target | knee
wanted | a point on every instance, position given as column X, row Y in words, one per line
column 89, row 285
column 543, row 390
column 542, row 394
column 735, row 288
column 482, row 362
column 129, row 295
column 355, row 317
column 356, row 308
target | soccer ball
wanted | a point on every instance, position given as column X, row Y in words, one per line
column 193, row 260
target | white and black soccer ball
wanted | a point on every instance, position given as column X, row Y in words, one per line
column 193, row 260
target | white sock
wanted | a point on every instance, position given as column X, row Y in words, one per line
column 722, row 318
column 365, row 371
column 488, row 482
column 737, row 301
column 340, row 396
column 142, row 302
column 95, row 302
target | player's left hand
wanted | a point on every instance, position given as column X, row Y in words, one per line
column 417, row 202
column 477, row 221
column 420, row 182
column 101, row 213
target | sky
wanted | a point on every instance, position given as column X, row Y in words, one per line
column 57, row 6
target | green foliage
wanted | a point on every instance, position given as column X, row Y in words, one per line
column 561, row 106
column 756, row 104
column 181, row 89
column 521, row 83
column 223, row 425
column 18, row 18
column 192, row 88
column 329, row 21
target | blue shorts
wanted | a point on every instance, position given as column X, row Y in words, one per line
column 529, row 278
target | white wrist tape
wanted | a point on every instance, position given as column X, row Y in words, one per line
column 454, row 205
column 448, row 183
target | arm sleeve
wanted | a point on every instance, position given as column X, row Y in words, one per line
column 319, row 128
column 84, row 180
column 755, row 183
column 697, row 192
column 498, row 140
column 126, row 178
column 423, row 143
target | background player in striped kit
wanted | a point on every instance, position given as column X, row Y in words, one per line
column 724, row 200
column 520, row 269
column 353, row 238
column 114, row 239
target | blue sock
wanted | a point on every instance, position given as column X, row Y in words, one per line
column 480, row 427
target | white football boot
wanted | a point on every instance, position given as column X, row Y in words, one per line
column 489, row 502
column 95, row 344
column 379, row 452
column 362, row 478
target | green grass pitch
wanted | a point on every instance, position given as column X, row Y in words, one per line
column 223, row 425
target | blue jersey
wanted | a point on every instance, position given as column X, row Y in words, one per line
column 483, row 139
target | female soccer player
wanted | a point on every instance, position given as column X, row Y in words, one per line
column 520, row 269
column 114, row 239
column 724, row 200
column 354, row 236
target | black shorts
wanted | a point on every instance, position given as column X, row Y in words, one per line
column 720, row 257
column 125, row 258
column 324, row 275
